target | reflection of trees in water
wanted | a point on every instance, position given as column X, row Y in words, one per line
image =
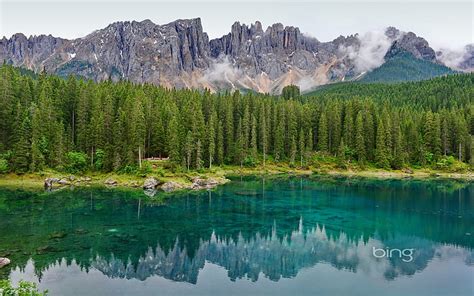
column 250, row 228
column 276, row 257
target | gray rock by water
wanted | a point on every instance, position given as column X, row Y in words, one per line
column 150, row 183
column 209, row 183
column 63, row 182
column 4, row 262
column 49, row 182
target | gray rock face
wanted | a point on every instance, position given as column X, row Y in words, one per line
column 207, row 183
column 4, row 262
column 273, row 52
column 49, row 182
column 411, row 43
column 150, row 183
column 30, row 52
column 138, row 51
column 180, row 54
column 63, row 182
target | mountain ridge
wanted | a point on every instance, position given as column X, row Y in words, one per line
column 180, row 54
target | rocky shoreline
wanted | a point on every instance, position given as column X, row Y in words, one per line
column 153, row 184
column 150, row 185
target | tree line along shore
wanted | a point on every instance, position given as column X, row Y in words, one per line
column 76, row 126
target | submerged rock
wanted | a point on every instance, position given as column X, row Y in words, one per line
column 4, row 262
column 150, row 192
column 60, row 234
column 44, row 249
column 248, row 193
column 81, row 231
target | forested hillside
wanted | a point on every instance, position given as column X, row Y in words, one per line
column 49, row 122
column 405, row 67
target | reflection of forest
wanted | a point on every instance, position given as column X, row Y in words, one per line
column 275, row 257
column 274, row 229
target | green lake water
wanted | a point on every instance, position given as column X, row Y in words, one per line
column 252, row 236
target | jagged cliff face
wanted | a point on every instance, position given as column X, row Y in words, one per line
column 180, row 54
column 268, row 60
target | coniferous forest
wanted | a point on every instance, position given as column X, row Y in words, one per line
column 74, row 124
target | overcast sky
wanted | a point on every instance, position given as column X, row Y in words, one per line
column 442, row 23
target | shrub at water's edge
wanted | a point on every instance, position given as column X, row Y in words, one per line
column 24, row 289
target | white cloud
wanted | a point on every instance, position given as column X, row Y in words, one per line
column 452, row 57
column 222, row 70
column 370, row 54
column 306, row 83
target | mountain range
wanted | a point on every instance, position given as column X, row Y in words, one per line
column 180, row 54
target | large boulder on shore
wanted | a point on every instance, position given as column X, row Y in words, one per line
column 48, row 182
column 4, row 262
column 206, row 183
column 150, row 183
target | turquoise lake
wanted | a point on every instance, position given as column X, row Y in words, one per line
column 252, row 236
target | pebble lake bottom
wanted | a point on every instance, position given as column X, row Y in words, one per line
column 252, row 236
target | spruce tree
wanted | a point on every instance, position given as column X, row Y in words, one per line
column 309, row 141
column 198, row 155
column 239, row 145
column 173, row 145
column 22, row 147
column 301, row 146
column 220, row 143
column 381, row 157
column 188, row 149
column 263, row 133
column 359, row 139
column 253, row 138
column 323, row 133
column 293, row 150
column 211, row 139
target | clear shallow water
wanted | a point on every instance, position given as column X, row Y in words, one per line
column 250, row 237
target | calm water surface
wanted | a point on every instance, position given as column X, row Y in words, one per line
column 252, row 236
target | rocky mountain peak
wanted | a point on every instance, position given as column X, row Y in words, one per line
column 180, row 54
column 411, row 43
column 392, row 33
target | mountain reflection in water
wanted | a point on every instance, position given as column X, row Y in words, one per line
column 251, row 228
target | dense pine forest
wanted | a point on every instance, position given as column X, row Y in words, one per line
column 77, row 125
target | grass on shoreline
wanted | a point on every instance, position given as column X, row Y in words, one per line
column 159, row 171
